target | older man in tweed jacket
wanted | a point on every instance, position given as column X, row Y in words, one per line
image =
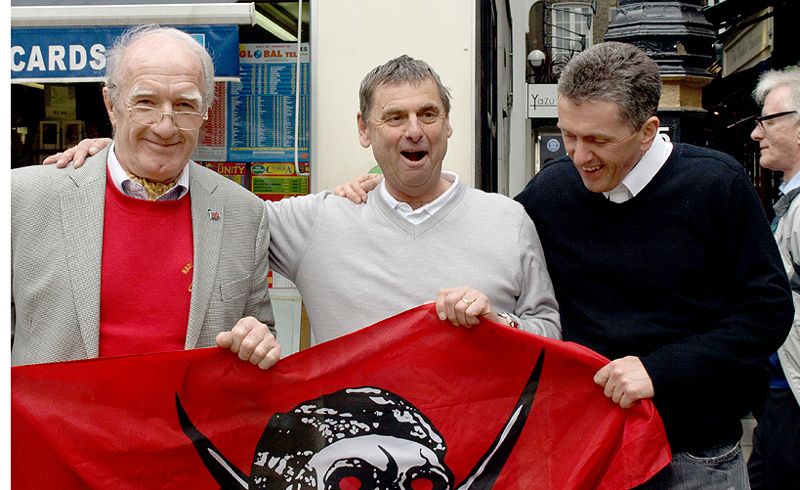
column 145, row 250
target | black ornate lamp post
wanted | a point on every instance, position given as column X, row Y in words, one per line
column 678, row 37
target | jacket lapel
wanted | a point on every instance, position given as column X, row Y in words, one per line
column 208, row 217
column 82, row 214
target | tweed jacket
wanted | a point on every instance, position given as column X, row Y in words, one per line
column 56, row 252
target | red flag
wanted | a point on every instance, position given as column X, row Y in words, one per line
column 411, row 402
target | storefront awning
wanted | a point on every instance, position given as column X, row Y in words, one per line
column 63, row 44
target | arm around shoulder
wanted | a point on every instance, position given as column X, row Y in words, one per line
column 291, row 225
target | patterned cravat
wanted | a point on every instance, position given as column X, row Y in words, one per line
column 154, row 189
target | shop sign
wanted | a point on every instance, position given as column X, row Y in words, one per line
column 747, row 48
column 262, row 105
column 542, row 99
column 71, row 54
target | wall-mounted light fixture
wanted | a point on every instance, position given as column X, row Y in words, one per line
column 536, row 58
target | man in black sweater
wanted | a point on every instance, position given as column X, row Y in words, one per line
column 662, row 260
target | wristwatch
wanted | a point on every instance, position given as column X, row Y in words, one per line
column 505, row 316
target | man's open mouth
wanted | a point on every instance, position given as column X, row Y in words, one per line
column 414, row 156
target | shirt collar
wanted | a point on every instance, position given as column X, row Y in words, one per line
column 787, row 187
column 133, row 189
column 644, row 171
column 417, row 216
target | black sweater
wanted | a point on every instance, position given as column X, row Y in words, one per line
column 686, row 276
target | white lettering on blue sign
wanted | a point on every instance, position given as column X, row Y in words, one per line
column 58, row 58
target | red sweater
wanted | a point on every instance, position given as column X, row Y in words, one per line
column 146, row 278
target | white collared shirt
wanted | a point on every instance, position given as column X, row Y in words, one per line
column 419, row 215
column 643, row 172
column 134, row 189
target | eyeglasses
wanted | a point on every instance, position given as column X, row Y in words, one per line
column 149, row 116
column 760, row 119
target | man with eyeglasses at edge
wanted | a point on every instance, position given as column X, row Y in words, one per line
column 775, row 461
column 145, row 250
column 662, row 260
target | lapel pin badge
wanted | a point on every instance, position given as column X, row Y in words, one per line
column 213, row 215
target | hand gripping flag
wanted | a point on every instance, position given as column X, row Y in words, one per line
column 409, row 403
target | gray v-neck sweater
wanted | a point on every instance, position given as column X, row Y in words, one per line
column 358, row 264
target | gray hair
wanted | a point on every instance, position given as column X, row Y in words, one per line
column 789, row 77
column 614, row 72
column 115, row 57
column 403, row 69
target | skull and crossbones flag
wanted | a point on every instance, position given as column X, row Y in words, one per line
column 409, row 403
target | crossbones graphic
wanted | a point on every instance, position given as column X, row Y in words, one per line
column 363, row 438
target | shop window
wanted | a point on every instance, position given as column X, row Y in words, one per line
column 570, row 28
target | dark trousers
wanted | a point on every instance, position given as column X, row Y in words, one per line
column 719, row 468
column 775, row 461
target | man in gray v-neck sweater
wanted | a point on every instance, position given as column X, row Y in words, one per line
column 356, row 264
column 420, row 231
